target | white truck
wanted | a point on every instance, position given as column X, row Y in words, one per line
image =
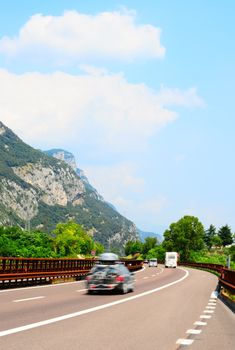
column 171, row 259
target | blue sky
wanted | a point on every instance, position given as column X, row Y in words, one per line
column 142, row 93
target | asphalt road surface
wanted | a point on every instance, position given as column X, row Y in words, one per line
column 170, row 309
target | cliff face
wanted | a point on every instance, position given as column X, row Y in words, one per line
column 69, row 158
column 55, row 185
column 49, row 188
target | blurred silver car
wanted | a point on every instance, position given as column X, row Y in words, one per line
column 110, row 275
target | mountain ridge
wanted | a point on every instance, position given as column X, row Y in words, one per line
column 43, row 190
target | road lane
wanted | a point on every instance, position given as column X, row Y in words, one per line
column 154, row 321
column 65, row 299
column 220, row 334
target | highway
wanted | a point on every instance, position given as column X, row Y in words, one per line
column 170, row 309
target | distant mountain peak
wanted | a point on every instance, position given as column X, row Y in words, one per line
column 40, row 190
column 64, row 155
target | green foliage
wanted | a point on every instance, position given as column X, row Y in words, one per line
column 184, row 236
column 71, row 240
column 216, row 241
column 133, row 247
column 149, row 243
column 218, row 256
column 147, row 250
column 15, row 242
column 157, row 252
column 231, row 252
column 68, row 240
column 225, row 235
column 98, row 248
column 209, row 235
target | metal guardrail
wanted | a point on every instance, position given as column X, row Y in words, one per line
column 226, row 278
column 25, row 271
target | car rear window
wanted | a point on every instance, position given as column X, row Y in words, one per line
column 102, row 268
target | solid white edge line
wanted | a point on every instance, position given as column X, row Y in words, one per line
column 83, row 312
column 27, row 299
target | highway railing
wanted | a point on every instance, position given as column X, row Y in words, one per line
column 226, row 276
column 24, row 271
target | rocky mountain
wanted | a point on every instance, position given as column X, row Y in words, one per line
column 39, row 190
column 69, row 158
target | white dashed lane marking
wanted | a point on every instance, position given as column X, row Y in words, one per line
column 184, row 341
column 205, row 316
column 193, row 331
column 28, row 299
column 200, row 323
column 208, row 310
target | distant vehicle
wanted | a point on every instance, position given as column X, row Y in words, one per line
column 152, row 262
column 109, row 275
column 171, row 259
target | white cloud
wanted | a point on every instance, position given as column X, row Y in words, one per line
column 73, row 37
column 114, row 181
column 187, row 98
column 103, row 111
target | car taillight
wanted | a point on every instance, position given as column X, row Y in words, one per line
column 119, row 279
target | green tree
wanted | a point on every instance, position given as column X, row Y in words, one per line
column 99, row 248
column 133, row 247
column 71, row 240
column 209, row 234
column 216, row 241
column 157, row 252
column 184, row 236
column 231, row 251
column 16, row 242
column 225, row 235
column 149, row 243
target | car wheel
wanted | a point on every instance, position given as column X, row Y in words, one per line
column 124, row 288
column 89, row 291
